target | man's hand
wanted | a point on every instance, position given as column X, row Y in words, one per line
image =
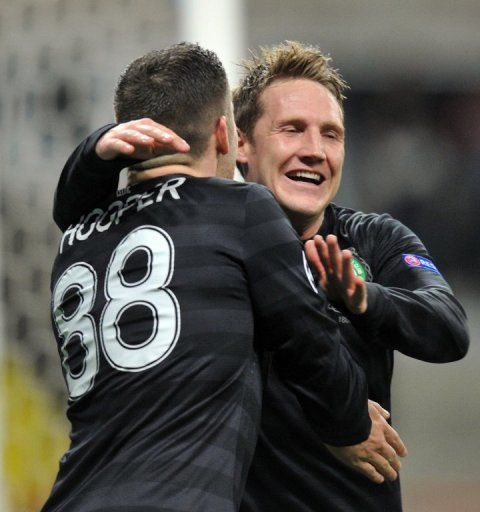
column 377, row 458
column 141, row 139
column 336, row 275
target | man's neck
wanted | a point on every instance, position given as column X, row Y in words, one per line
column 168, row 164
column 306, row 227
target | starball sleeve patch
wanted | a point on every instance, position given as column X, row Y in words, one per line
column 416, row 261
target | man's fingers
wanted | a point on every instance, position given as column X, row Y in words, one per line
column 163, row 137
column 312, row 253
column 142, row 139
column 359, row 290
column 370, row 472
column 161, row 134
column 394, row 440
column 383, row 412
column 396, row 463
column 132, row 136
column 383, row 466
column 322, row 249
column 348, row 276
column 390, row 455
column 358, row 458
column 108, row 148
column 121, row 147
column 146, row 136
column 335, row 256
column 117, row 142
column 314, row 258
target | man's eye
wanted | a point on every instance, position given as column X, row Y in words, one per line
column 291, row 129
column 331, row 135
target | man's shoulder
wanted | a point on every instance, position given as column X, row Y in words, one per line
column 358, row 222
column 248, row 196
column 370, row 235
column 240, row 187
column 344, row 214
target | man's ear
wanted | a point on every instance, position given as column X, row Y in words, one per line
column 242, row 147
column 221, row 136
column 242, row 160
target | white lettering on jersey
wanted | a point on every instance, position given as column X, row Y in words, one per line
column 76, row 289
column 101, row 220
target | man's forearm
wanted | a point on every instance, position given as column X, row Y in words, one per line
column 85, row 181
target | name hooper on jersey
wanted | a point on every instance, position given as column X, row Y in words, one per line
column 101, row 220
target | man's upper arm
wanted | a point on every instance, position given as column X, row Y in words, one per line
column 411, row 308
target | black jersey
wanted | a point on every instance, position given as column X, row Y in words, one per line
column 411, row 309
column 161, row 297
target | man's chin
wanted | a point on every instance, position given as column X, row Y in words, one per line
column 305, row 211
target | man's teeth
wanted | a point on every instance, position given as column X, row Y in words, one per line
column 305, row 175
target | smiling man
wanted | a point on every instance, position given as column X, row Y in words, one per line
column 289, row 111
column 296, row 148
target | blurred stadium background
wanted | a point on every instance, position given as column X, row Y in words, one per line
column 413, row 145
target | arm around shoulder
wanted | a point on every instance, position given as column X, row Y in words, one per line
column 85, row 180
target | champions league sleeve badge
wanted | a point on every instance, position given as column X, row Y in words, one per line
column 415, row 261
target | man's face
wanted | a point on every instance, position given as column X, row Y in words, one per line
column 298, row 147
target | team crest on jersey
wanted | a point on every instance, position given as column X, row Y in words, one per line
column 360, row 266
column 416, row 261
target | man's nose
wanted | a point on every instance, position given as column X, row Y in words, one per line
column 313, row 147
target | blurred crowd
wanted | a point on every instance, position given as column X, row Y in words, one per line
column 416, row 155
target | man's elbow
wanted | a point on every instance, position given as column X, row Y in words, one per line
column 463, row 344
column 457, row 347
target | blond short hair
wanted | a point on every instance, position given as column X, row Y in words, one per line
column 289, row 59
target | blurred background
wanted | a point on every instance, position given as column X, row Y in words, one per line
column 413, row 146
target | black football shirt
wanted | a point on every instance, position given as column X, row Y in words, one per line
column 411, row 309
column 162, row 298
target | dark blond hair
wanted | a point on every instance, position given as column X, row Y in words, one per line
column 289, row 59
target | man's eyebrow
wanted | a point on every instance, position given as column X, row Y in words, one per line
column 291, row 120
column 299, row 121
column 334, row 126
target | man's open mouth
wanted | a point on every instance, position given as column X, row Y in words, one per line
column 306, row 177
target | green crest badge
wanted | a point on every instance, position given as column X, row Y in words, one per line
column 360, row 266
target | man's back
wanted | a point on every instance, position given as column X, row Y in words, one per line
column 166, row 384
column 160, row 298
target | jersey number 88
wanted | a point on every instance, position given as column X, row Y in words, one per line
column 147, row 291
